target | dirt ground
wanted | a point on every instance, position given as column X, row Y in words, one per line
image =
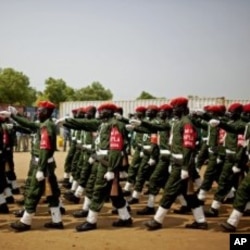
column 172, row 236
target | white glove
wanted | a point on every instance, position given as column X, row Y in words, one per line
column 10, row 126
column 79, row 191
column 236, row 169
column 184, row 174
column 118, row 116
column 214, row 122
column 129, row 127
column 141, row 154
column 109, row 176
column 218, row 160
column 5, row 113
column 169, row 169
column 91, row 160
column 60, row 121
column 135, row 122
column 40, row 175
column 12, row 110
column 151, row 162
column 123, row 175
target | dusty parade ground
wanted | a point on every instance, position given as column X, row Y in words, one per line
column 172, row 236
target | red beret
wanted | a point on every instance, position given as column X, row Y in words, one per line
column 214, row 108
column 109, row 106
column 152, row 107
column 165, row 107
column 82, row 110
column 235, row 107
column 74, row 111
column 179, row 101
column 206, row 107
column 141, row 109
column 46, row 104
column 91, row 107
column 246, row 108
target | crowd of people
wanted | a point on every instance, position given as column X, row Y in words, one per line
column 111, row 158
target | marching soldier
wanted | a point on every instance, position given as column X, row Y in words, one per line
column 43, row 177
column 110, row 143
column 234, row 149
column 242, row 196
column 182, row 142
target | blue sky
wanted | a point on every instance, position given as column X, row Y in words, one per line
column 167, row 48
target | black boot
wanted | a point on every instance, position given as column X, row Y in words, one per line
column 19, row 213
column 4, row 208
column 54, row 225
column 126, row 193
column 19, row 226
column 80, row 214
column 153, row 225
column 182, row 210
column 246, row 212
column 212, row 212
column 71, row 198
column 146, row 211
column 10, row 200
column 197, row 225
column 64, row 181
column 228, row 227
column 86, row 226
column 16, row 191
column 133, row 201
column 123, row 223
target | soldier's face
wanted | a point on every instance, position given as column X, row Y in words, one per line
column 42, row 114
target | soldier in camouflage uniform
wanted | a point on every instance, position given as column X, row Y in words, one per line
column 67, row 165
column 242, row 196
column 213, row 141
column 77, row 155
column 84, row 167
column 43, row 171
column 110, row 143
column 161, row 171
column 149, row 154
column 3, row 183
column 182, row 142
column 234, row 149
column 136, row 144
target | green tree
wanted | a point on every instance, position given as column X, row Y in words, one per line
column 56, row 90
column 93, row 92
column 15, row 88
column 145, row 95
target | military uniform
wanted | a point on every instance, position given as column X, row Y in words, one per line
column 3, row 183
column 231, row 169
column 160, row 173
column 242, row 196
column 43, row 179
column 182, row 141
column 149, row 154
column 110, row 144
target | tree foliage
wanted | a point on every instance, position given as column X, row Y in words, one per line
column 56, row 91
column 95, row 91
column 145, row 95
column 15, row 88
